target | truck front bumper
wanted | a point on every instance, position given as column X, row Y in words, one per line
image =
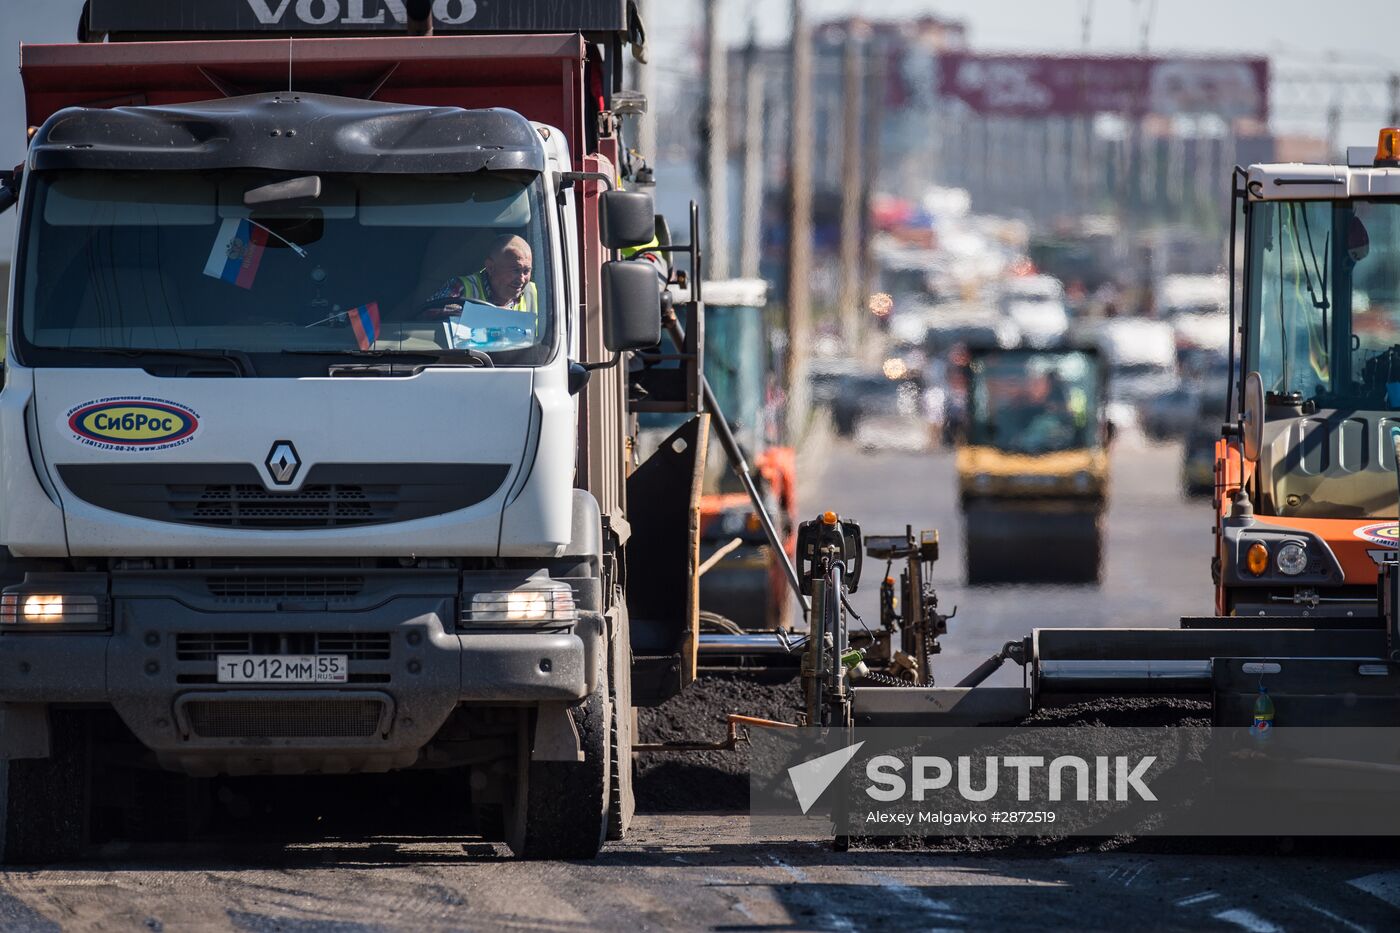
column 408, row 668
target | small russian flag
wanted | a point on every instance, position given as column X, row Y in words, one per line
column 364, row 321
column 238, row 249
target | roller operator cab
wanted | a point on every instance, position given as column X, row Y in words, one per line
column 1305, row 474
column 1033, row 466
column 745, row 584
column 303, row 468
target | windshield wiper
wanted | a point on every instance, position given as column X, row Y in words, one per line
column 413, row 358
column 242, row 363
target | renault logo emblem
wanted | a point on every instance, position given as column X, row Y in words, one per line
column 283, row 463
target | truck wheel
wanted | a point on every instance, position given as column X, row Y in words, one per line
column 44, row 802
column 622, row 804
column 561, row 807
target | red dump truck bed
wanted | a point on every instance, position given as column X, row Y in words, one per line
column 539, row 76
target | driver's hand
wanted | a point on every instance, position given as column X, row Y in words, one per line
column 440, row 309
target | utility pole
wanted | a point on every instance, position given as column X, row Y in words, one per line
column 717, row 153
column 852, row 187
column 875, row 76
column 799, row 272
column 1334, row 131
column 1394, row 83
column 646, row 85
column 751, row 218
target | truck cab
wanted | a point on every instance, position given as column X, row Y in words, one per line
column 1306, row 474
column 315, row 424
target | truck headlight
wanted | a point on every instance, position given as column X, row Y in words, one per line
column 981, row 482
column 1083, row 482
column 31, row 610
column 1292, row 558
column 537, row 602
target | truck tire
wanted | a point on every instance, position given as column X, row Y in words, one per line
column 44, row 802
column 622, row 803
column 561, row 807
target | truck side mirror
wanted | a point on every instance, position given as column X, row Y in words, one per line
column 1252, row 433
column 626, row 219
column 631, row 306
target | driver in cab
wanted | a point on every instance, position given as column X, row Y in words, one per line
column 503, row 282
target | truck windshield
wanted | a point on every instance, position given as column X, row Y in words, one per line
column 438, row 267
column 1034, row 403
column 1324, row 301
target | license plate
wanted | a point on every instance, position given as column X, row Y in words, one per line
column 282, row 668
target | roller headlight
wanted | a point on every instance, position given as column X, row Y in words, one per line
column 1292, row 558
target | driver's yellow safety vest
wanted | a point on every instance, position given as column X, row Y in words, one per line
column 475, row 286
column 1079, row 406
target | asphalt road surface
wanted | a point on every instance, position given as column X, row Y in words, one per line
column 686, row 871
column 709, row 871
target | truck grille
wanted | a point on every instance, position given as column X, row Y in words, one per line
column 284, row 587
column 223, row 719
column 235, row 495
column 247, row 506
column 356, row 646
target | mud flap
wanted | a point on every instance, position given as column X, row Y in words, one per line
column 663, row 557
column 556, row 735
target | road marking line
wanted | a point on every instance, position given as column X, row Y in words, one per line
column 916, row 898
column 830, row 915
column 795, row 873
column 1247, row 919
column 1335, row 918
column 1383, row 884
column 1197, row 899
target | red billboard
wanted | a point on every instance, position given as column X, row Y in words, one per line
column 1052, row 85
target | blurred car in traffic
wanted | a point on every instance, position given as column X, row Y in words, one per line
column 1177, row 295
column 1141, row 358
column 1198, row 446
column 1170, row 414
column 881, row 413
column 968, row 326
column 1036, row 287
column 1043, row 322
column 825, row 378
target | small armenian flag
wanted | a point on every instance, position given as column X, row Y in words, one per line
column 364, row 321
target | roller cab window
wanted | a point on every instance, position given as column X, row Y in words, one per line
column 1324, row 298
